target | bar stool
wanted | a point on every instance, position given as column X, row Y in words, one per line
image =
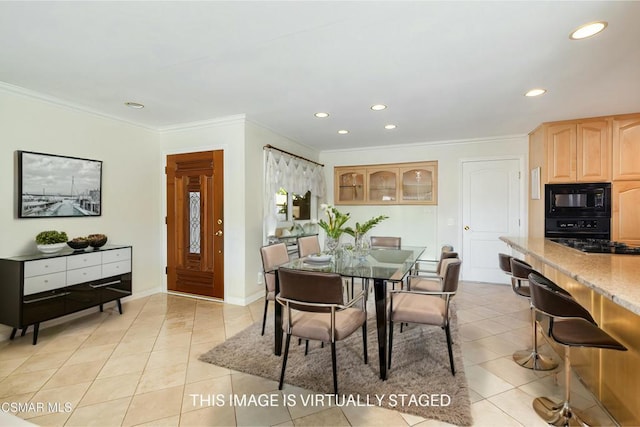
column 530, row 359
column 572, row 326
column 504, row 261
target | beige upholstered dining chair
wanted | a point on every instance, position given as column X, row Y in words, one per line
column 378, row 242
column 314, row 309
column 308, row 245
column 427, row 308
column 272, row 256
column 431, row 283
column 430, row 267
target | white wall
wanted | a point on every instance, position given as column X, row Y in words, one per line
column 431, row 226
column 130, row 198
column 256, row 138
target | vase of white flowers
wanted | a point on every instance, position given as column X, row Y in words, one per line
column 333, row 227
column 362, row 245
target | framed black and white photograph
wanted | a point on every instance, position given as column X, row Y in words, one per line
column 58, row 186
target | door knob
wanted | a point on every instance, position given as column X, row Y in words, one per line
column 219, row 233
column 219, row 221
column 466, row 227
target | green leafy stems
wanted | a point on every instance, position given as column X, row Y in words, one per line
column 361, row 229
column 336, row 220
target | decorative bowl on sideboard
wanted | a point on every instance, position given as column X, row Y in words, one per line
column 97, row 240
column 78, row 244
column 51, row 248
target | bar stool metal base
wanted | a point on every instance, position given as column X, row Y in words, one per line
column 558, row 414
column 531, row 359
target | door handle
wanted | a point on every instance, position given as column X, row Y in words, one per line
column 219, row 233
column 466, row 227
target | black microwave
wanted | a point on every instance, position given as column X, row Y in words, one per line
column 584, row 200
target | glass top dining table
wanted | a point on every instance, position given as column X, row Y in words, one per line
column 380, row 266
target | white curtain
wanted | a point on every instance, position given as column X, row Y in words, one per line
column 294, row 175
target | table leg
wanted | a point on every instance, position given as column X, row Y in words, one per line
column 277, row 325
column 380, row 295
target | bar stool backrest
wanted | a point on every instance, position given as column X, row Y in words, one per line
column 553, row 303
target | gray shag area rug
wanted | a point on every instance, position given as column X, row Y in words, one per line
column 419, row 381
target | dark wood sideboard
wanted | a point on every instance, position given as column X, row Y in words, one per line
column 36, row 288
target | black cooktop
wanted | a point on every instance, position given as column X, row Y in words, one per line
column 599, row 246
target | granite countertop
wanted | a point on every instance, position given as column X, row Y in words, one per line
column 616, row 277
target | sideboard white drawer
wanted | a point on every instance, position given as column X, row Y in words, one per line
column 116, row 255
column 81, row 275
column 116, row 268
column 84, row 260
column 45, row 282
column 44, row 266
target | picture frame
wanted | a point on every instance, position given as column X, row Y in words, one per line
column 51, row 185
column 535, row 183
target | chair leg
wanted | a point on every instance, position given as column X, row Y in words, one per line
column 364, row 342
column 264, row 316
column 391, row 341
column 335, row 369
column 560, row 414
column 531, row 359
column 284, row 360
column 306, row 347
column 447, row 331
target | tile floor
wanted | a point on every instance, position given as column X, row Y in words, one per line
column 142, row 368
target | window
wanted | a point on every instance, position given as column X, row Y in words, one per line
column 290, row 206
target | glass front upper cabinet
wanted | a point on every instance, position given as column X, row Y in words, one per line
column 382, row 185
column 413, row 183
column 418, row 184
column 349, row 186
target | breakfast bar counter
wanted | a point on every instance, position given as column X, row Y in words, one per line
column 608, row 285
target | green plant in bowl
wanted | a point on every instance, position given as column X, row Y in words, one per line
column 50, row 237
column 51, row 241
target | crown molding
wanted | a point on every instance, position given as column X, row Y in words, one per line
column 218, row 121
column 27, row 93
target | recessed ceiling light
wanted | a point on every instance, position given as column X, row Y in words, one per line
column 535, row 92
column 343, row 131
column 135, row 105
column 390, row 127
column 587, row 30
column 378, row 107
column 321, row 115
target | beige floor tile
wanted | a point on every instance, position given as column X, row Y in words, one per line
column 484, row 382
column 209, row 416
column 372, row 416
column 50, row 420
column 518, row 405
column 102, row 338
column 130, row 364
column 9, row 366
column 57, row 400
column 198, row 371
column 44, row 361
column 168, row 357
column 207, row 393
column 126, row 348
column 74, row 374
column 173, row 421
column 167, row 342
column 326, row 417
column 295, row 399
column 25, row 383
column 485, row 413
column 155, row 405
column 64, row 342
column 112, row 388
column 101, row 414
column 507, row 369
column 165, row 377
column 250, row 384
column 475, row 353
column 97, row 353
column 271, row 414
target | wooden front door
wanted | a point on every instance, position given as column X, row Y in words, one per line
column 195, row 223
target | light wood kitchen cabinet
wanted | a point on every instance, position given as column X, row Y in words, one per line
column 626, row 147
column 579, row 151
column 387, row 184
column 349, row 186
column 382, row 185
column 419, row 184
column 625, row 221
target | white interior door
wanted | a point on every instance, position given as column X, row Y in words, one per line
column 490, row 209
